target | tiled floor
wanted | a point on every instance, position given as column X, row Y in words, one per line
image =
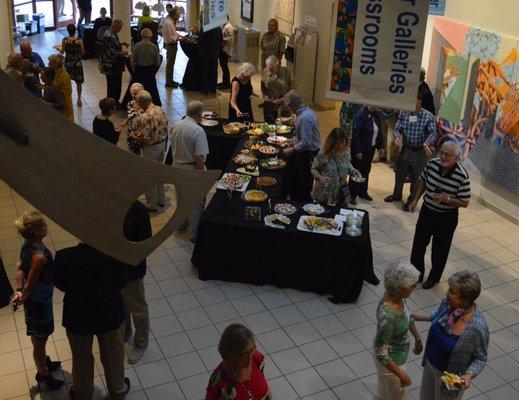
column 315, row 349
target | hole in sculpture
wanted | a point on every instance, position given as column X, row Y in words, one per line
column 160, row 211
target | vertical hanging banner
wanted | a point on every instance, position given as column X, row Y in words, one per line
column 377, row 52
column 214, row 14
column 437, row 7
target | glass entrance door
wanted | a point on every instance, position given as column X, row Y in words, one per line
column 64, row 12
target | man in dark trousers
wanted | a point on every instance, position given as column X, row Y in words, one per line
column 209, row 50
column 93, row 306
column 136, row 228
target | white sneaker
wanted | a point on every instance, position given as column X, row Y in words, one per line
column 136, row 354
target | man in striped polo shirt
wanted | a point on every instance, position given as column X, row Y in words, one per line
column 446, row 186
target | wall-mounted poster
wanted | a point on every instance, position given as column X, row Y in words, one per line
column 214, row 13
column 477, row 83
column 247, row 10
column 437, row 7
column 377, row 52
column 284, row 12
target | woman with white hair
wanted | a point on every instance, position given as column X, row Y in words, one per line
column 133, row 112
column 394, row 322
column 64, row 84
column 240, row 107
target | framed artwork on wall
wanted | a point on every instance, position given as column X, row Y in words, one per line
column 247, row 10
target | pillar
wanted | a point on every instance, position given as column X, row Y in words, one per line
column 193, row 10
column 122, row 11
column 6, row 36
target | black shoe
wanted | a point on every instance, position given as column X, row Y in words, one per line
column 173, row 85
column 366, row 197
column 52, row 365
column 391, row 198
column 405, row 207
column 127, row 381
column 49, row 380
column 353, row 202
column 428, row 284
column 420, row 279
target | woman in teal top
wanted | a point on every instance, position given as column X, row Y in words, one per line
column 331, row 168
column 391, row 343
column 34, row 291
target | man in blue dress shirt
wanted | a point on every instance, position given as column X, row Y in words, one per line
column 32, row 68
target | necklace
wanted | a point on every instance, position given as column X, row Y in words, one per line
column 249, row 394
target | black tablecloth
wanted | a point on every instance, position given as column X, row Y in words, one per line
column 229, row 248
column 221, row 146
column 192, row 79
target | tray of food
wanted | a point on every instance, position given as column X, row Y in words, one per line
column 268, row 150
column 254, row 196
column 273, row 163
column 283, row 129
column 325, row 226
column 209, row 122
column 209, row 114
column 234, row 128
column 243, row 159
column 277, row 221
column 313, row 209
column 252, row 214
column 256, row 131
column 280, row 141
column 267, row 181
column 285, row 208
column 284, row 120
column 232, row 181
column 249, row 169
column 453, row 382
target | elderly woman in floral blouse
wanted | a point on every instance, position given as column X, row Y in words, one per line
column 394, row 323
column 331, row 168
column 458, row 338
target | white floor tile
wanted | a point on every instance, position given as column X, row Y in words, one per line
column 175, row 344
column 318, row 352
column 168, row 391
column 328, row 325
column 345, row 344
column 335, row 372
column 282, row 388
column 302, row 332
column 361, row 363
column 194, row 387
column 306, row 382
column 153, row 374
column 290, row 360
column 288, row 315
column 204, row 337
column 275, row 341
column 186, row 365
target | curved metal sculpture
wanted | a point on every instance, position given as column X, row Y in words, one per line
column 84, row 184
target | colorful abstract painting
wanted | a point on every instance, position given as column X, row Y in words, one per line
column 477, row 83
column 344, row 41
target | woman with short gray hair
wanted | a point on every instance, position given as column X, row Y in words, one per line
column 240, row 374
column 457, row 341
column 240, row 107
column 391, row 343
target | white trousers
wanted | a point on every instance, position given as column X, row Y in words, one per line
column 388, row 387
column 157, row 194
column 432, row 385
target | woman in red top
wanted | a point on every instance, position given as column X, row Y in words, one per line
column 240, row 374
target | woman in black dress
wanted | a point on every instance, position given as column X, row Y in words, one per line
column 240, row 107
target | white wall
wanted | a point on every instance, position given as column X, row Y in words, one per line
column 498, row 16
column 319, row 9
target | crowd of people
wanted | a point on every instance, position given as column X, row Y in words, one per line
column 334, row 172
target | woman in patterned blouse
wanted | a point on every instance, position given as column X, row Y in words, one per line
column 458, row 338
column 240, row 375
column 394, row 323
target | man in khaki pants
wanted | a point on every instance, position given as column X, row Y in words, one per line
column 137, row 227
column 171, row 39
column 190, row 149
column 92, row 306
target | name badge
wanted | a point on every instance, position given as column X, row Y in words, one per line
column 413, row 118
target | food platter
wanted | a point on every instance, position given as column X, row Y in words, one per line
column 253, row 144
column 242, row 159
column 277, row 221
column 283, row 129
column 209, row 114
column 234, row 128
column 324, row 226
column 453, row 382
column 254, row 196
column 313, row 209
column 280, row 141
column 268, row 150
column 267, row 181
column 285, row 208
column 273, row 163
column 209, row 122
column 232, row 181
column 284, row 120
column 256, row 132
column 252, row 170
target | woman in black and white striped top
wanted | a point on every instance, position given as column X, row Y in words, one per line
column 446, row 186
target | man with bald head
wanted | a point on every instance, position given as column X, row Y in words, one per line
column 32, row 68
column 14, row 67
column 446, row 186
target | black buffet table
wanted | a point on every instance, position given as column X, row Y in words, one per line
column 221, row 146
column 231, row 249
column 192, row 79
